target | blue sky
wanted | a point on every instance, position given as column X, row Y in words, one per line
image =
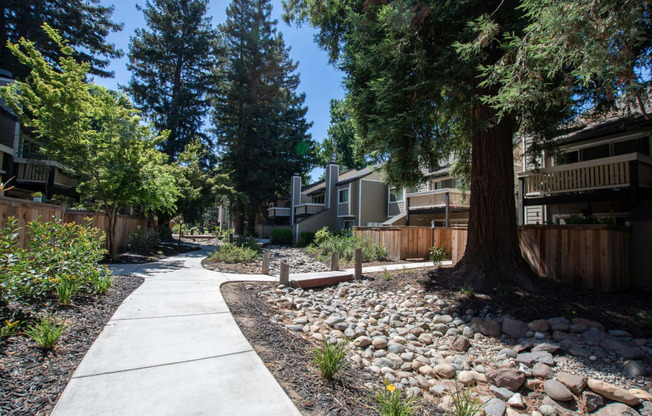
column 320, row 81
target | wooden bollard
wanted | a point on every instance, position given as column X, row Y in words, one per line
column 335, row 261
column 265, row 262
column 357, row 272
column 284, row 278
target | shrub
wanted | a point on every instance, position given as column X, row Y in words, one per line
column 391, row 403
column 437, row 255
column 387, row 275
column 232, row 253
column 306, row 238
column 330, row 357
column 282, row 236
column 102, row 282
column 346, row 246
column 321, row 236
column 46, row 332
column 248, row 242
column 66, row 288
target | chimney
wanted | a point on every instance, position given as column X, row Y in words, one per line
column 332, row 177
column 295, row 195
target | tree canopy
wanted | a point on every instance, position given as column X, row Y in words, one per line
column 259, row 118
column 341, row 144
column 95, row 133
column 172, row 64
column 84, row 24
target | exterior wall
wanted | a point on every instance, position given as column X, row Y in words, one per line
column 534, row 215
column 314, row 223
column 373, row 200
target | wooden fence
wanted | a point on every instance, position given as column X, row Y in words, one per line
column 26, row 211
column 265, row 231
column 594, row 257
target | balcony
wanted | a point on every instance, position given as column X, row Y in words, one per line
column 606, row 174
column 438, row 199
column 277, row 212
column 304, row 210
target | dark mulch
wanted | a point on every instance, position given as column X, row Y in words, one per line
column 162, row 251
column 31, row 380
column 288, row 358
column 621, row 310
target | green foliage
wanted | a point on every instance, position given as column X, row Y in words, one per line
column 259, row 117
column 46, row 332
column 330, row 357
column 94, row 132
column 341, row 144
column 84, row 24
column 391, row 402
column 306, row 238
column 102, row 282
column 437, row 255
column 233, row 253
column 282, row 236
column 467, row 290
column 8, row 328
column 346, row 246
column 172, row 62
column 387, row 275
column 61, row 260
column 464, row 404
column 144, row 240
column 66, row 288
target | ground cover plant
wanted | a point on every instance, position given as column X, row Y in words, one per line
column 242, row 250
column 327, row 242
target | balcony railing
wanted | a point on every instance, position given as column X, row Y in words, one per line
column 279, row 212
column 307, row 209
column 606, row 173
column 439, row 199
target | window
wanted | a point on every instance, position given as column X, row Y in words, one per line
column 641, row 145
column 318, row 199
column 446, row 183
column 395, row 194
column 595, row 152
column 344, row 196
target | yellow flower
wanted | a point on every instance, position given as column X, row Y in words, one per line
column 390, row 387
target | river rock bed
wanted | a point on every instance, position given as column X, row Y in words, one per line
column 296, row 257
column 412, row 339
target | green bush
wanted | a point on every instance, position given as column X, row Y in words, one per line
column 437, row 255
column 306, row 238
column 248, row 242
column 326, row 243
column 391, row 402
column 46, row 332
column 282, row 236
column 232, row 253
column 61, row 260
column 330, row 357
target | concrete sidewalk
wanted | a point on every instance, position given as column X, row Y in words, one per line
column 173, row 348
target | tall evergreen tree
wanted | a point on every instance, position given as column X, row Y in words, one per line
column 341, row 144
column 428, row 77
column 84, row 24
column 259, row 118
column 172, row 66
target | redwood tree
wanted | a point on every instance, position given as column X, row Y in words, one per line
column 427, row 79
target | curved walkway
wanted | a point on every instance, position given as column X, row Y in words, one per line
column 173, row 348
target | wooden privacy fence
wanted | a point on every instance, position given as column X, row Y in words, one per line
column 593, row 256
column 26, row 211
column 263, row 231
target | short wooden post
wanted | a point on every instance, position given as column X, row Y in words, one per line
column 231, row 238
column 357, row 272
column 335, row 261
column 284, row 277
column 265, row 262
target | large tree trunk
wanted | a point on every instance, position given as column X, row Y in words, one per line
column 493, row 256
column 239, row 218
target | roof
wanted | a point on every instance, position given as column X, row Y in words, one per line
column 354, row 175
column 607, row 127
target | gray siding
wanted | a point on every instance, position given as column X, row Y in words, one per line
column 373, row 200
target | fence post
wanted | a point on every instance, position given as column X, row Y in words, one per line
column 284, row 277
column 335, row 261
column 265, row 262
column 357, row 273
column 448, row 210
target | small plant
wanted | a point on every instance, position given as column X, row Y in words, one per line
column 144, row 240
column 330, row 357
column 232, row 253
column 46, row 332
column 644, row 320
column 9, row 328
column 102, row 283
column 37, row 194
column 464, row 404
column 387, row 275
column 306, row 238
column 437, row 255
column 392, row 403
column 66, row 288
column 467, row 290
column 282, row 236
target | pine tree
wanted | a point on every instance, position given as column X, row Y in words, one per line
column 258, row 116
column 172, row 65
column 84, row 24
